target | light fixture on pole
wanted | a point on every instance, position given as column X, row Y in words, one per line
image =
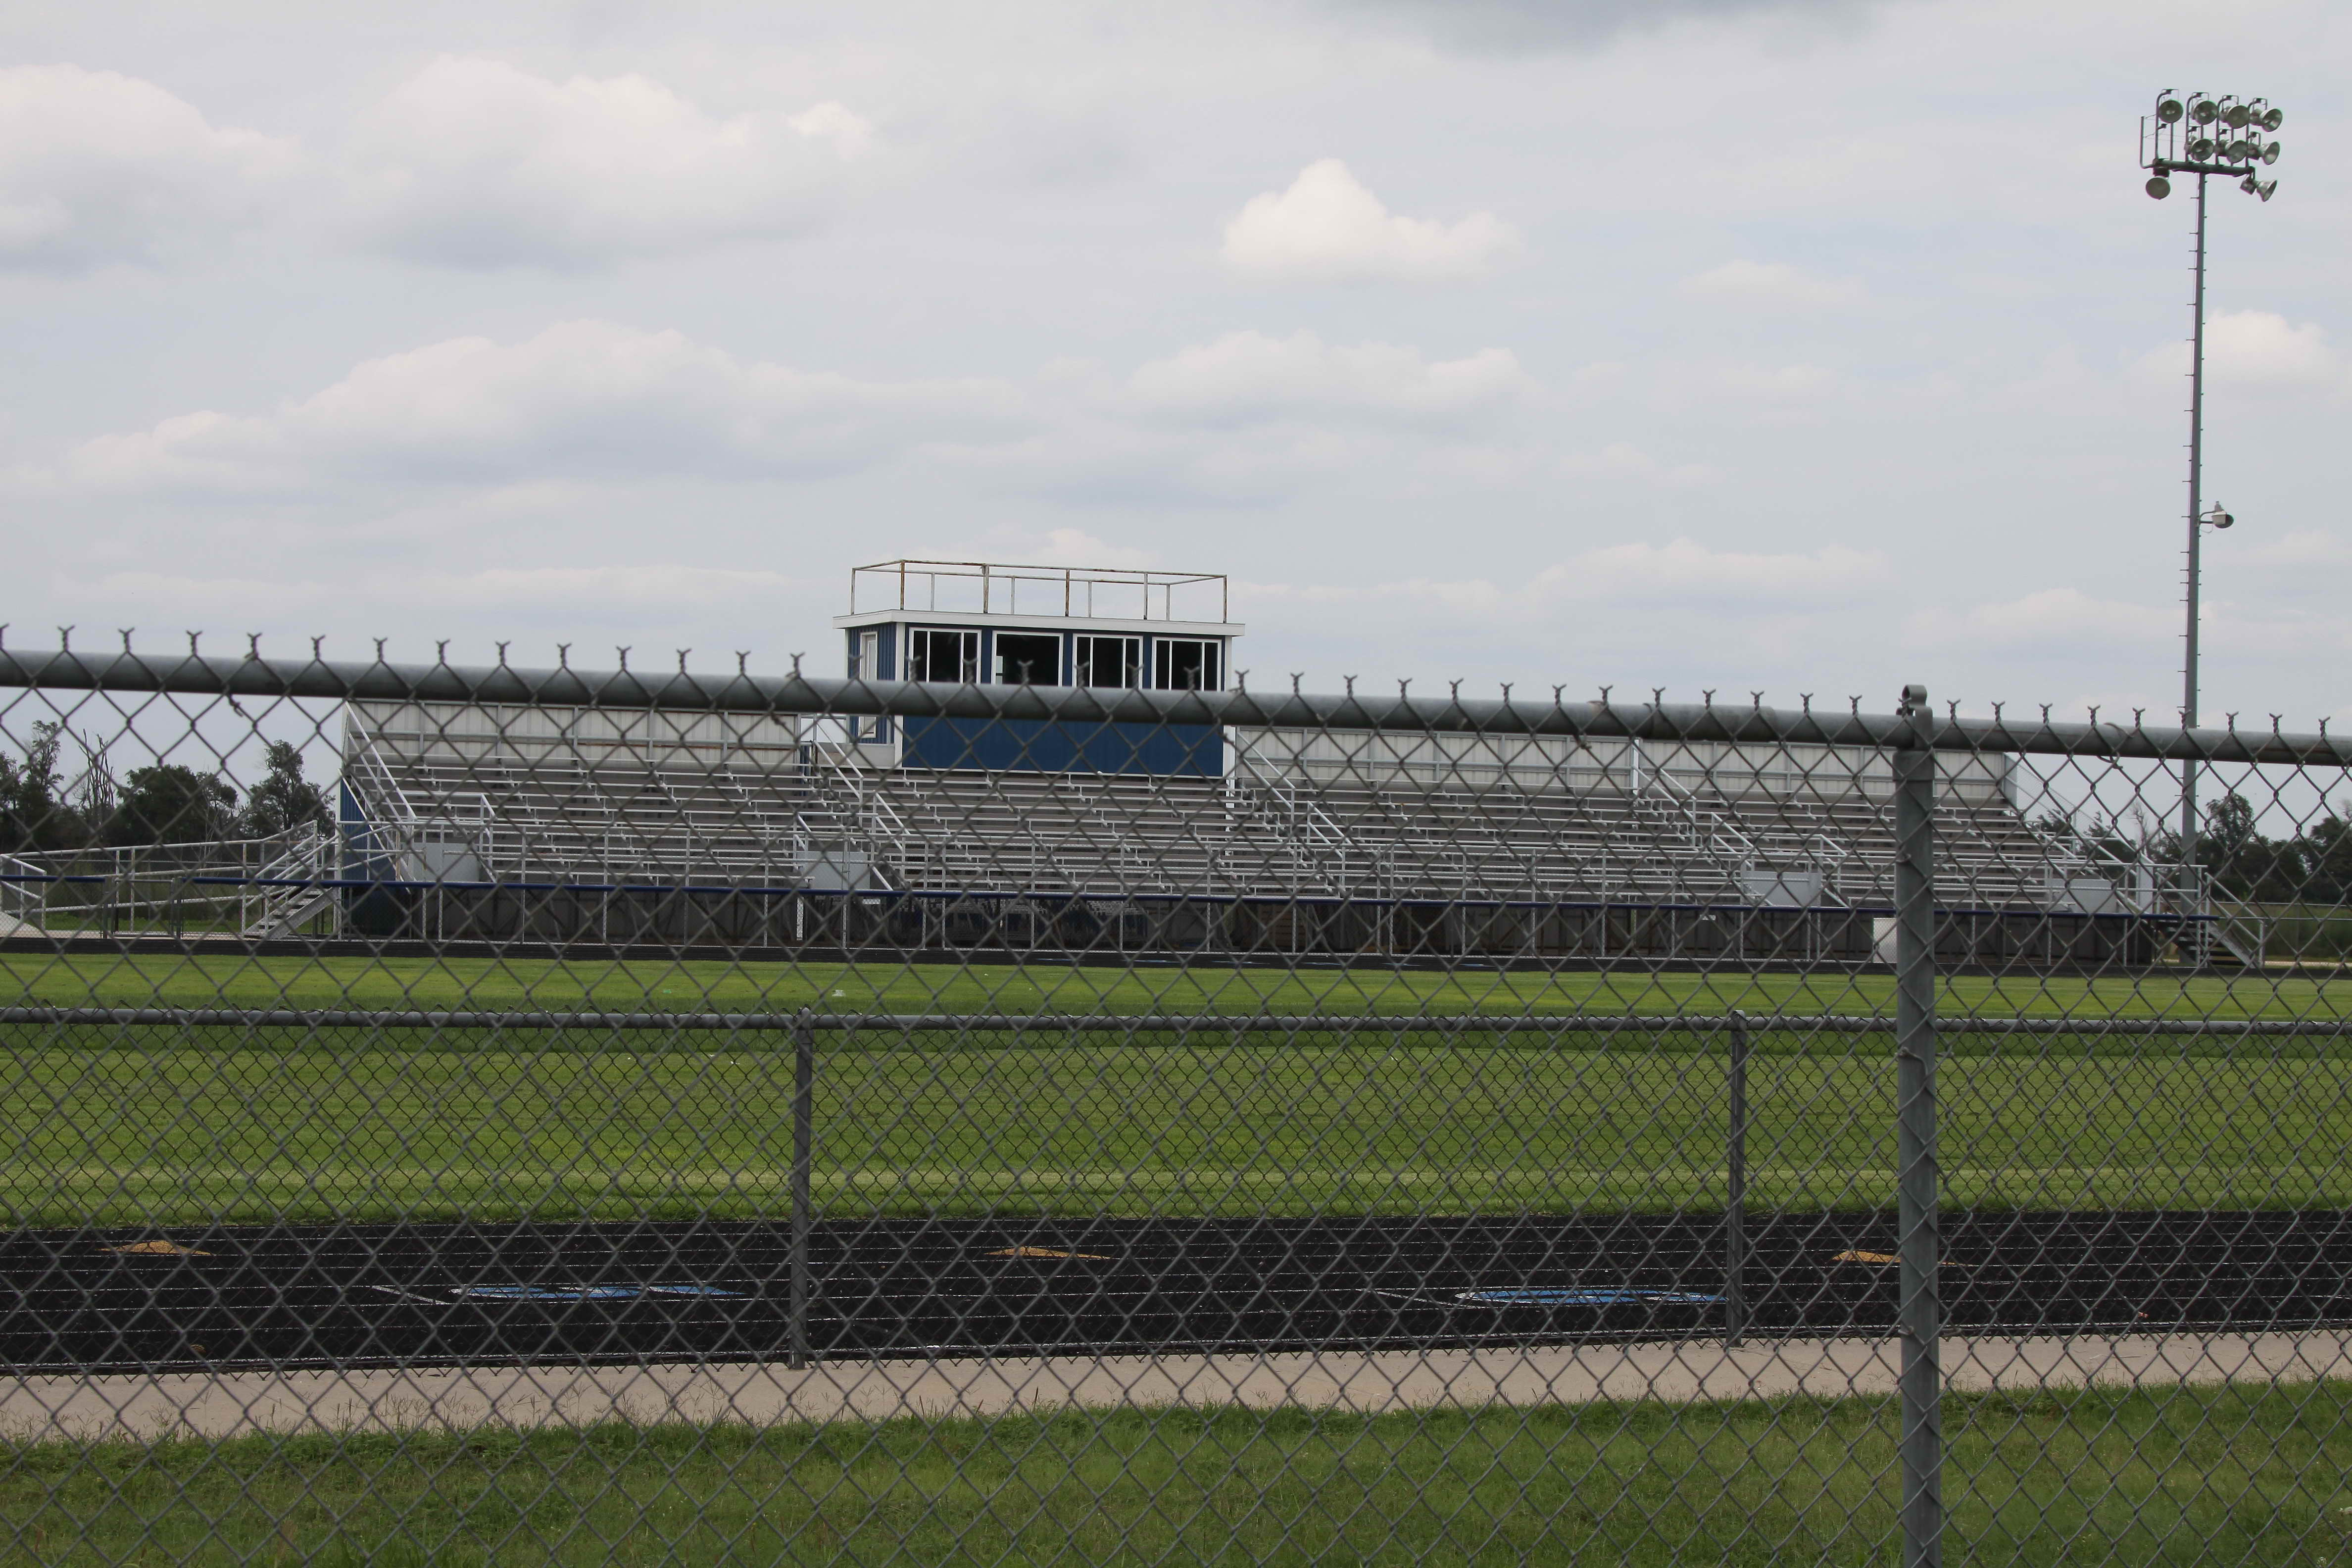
column 2203, row 134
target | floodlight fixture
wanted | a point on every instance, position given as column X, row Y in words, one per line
column 2208, row 133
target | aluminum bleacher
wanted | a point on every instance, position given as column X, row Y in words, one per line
column 479, row 795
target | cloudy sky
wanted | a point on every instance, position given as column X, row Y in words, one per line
column 1805, row 346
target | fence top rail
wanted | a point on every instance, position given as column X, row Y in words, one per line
column 1159, row 1023
column 1601, row 718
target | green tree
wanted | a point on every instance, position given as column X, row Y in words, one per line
column 2325, row 850
column 2230, row 825
column 2246, row 864
column 168, row 804
column 2056, row 824
column 34, row 812
column 284, row 799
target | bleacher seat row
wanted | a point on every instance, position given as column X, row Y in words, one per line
column 466, row 799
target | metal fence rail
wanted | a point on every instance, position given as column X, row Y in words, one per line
column 1167, row 1022
column 1638, row 1130
column 1676, row 723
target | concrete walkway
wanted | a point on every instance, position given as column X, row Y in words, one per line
column 225, row 1404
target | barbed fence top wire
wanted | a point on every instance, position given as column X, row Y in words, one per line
column 1600, row 718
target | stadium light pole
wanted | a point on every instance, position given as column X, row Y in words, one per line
column 2203, row 134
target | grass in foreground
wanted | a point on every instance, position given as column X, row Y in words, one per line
column 231, row 980
column 2212, row 1475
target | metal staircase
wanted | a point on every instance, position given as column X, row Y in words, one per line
column 21, row 896
column 297, row 887
column 2210, row 926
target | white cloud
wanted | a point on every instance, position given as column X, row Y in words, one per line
column 1624, row 460
column 1681, row 570
column 141, row 593
column 1327, row 227
column 1249, row 377
column 2048, row 617
column 1684, row 569
column 2277, row 630
column 1522, row 27
column 850, row 135
column 1047, row 547
column 1772, row 385
column 586, row 405
column 2302, row 547
column 2256, row 348
column 631, row 588
column 1248, row 418
column 473, row 163
column 97, row 168
column 1076, row 547
column 582, row 399
column 631, row 585
column 1111, row 457
column 1770, row 283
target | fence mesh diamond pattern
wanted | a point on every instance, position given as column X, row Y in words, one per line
column 488, row 1114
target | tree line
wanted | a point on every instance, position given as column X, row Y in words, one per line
column 2311, row 866
column 164, row 803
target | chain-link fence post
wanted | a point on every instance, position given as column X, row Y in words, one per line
column 1919, row 1245
column 804, row 1142
column 1735, row 1190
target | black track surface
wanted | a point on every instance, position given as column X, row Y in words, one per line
column 370, row 1295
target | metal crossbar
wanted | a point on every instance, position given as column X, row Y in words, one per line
column 683, row 692
column 1156, row 1023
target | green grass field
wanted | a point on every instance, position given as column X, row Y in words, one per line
column 167, row 1126
column 2216, row 1476
column 234, row 980
column 176, row 1135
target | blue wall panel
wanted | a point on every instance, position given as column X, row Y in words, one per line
column 1041, row 746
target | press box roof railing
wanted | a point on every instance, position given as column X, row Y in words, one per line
column 1081, row 593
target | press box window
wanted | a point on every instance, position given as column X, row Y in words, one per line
column 866, row 664
column 1109, row 662
column 1025, row 659
column 1186, row 664
column 942, row 654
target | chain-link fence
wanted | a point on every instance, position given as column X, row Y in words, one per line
column 505, row 1115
